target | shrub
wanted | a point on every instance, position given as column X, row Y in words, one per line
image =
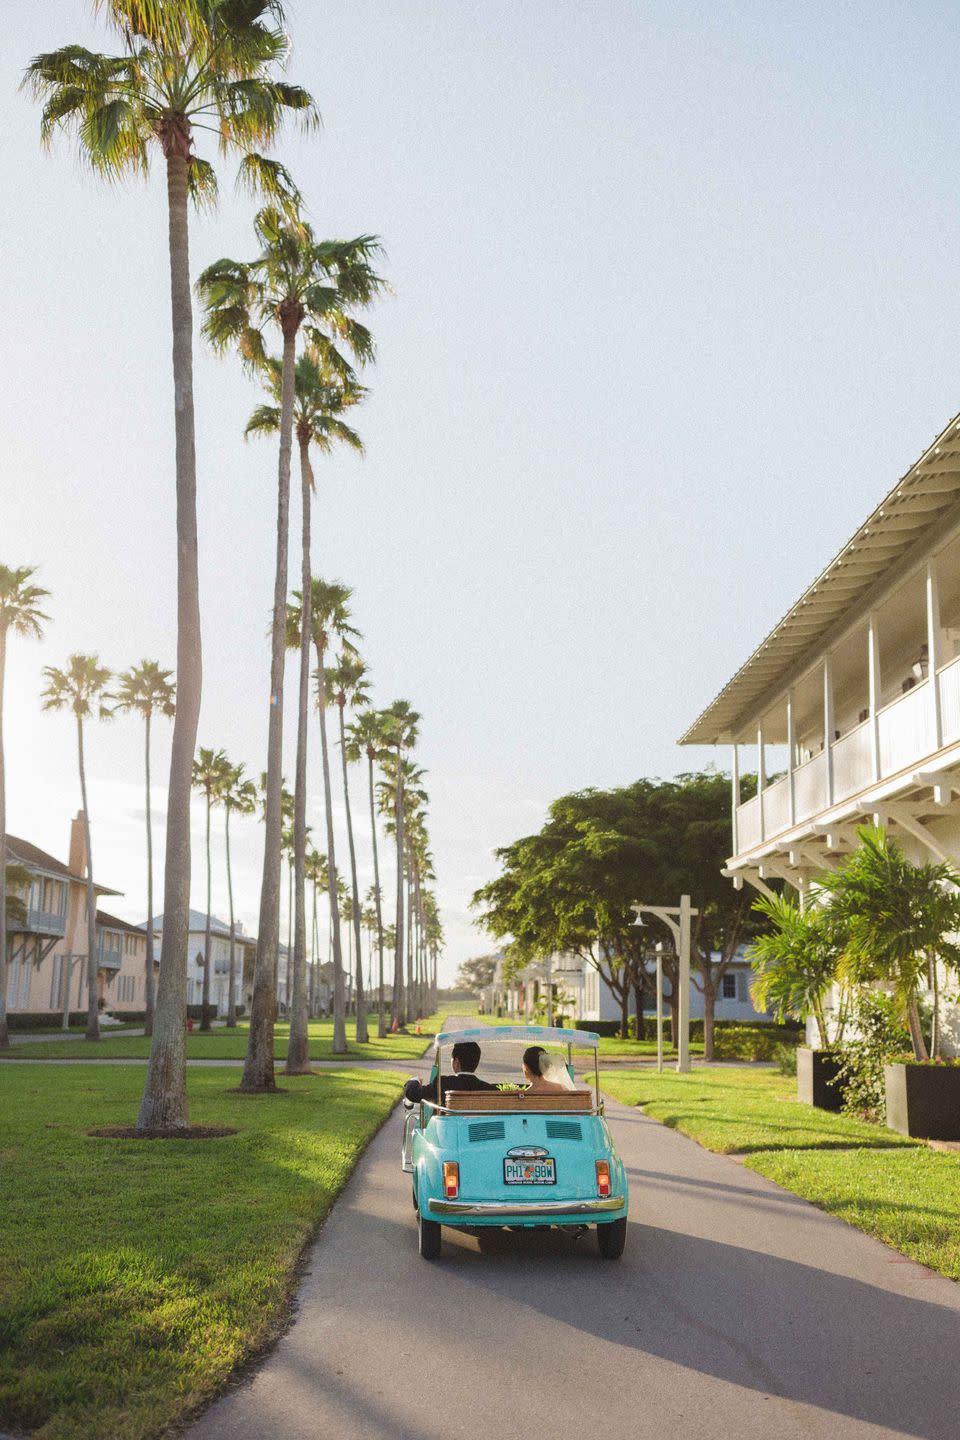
column 785, row 1057
column 38, row 1020
column 881, row 1037
column 750, row 1042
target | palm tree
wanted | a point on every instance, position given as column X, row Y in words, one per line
column 295, row 281
column 897, row 922
column 146, row 689
column 402, row 723
column 315, row 869
column 368, row 736
column 183, row 67
column 329, row 619
column 795, row 962
column 20, row 613
column 211, row 773
column 350, row 687
column 322, row 390
column 236, row 794
column 81, row 687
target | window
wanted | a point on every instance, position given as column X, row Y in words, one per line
column 56, row 982
column 729, row 987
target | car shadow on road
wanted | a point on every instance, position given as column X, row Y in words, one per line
column 769, row 1324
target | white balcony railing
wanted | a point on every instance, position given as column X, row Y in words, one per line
column 853, row 761
column 776, row 806
column 810, row 783
column 906, row 735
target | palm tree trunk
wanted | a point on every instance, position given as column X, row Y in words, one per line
column 935, row 1019
column 149, row 985
column 397, row 1015
column 164, row 1103
column 258, row 1062
column 916, row 1032
column 314, row 955
column 207, row 940
column 93, row 1021
column 232, row 967
column 381, row 1016
column 298, row 1048
column 362, row 1036
column 4, row 1036
column 339, row 1021
column 411, row 973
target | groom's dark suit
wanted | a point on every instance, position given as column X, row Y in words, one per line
column 416, row 1090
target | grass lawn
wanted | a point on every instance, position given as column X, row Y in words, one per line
column 221, row 1044
column 136, row 1275
column 894, row 1188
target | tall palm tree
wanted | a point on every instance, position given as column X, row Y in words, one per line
column 402, row 724
column 211, row 773
column 20, row 614
column 81, row 688
column 184, row 66
column 368, row 736
column 348, row 680
column 315, row 869
column 329, row 620
column 148, row 690
column 323, row 390
column 236, row 794
column 296, row 281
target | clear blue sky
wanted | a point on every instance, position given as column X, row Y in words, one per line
column 675, row 302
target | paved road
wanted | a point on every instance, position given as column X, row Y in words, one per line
column 737, row 1311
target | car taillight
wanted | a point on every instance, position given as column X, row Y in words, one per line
column 451, row 1179
column 603, row 1178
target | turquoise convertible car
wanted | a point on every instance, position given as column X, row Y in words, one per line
column 514, row 1157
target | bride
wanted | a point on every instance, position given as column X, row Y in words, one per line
column 545, row 1074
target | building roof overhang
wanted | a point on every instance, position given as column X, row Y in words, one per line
column 921, row 506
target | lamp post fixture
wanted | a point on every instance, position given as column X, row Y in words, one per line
column 677, row 918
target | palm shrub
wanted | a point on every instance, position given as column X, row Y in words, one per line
column 879, row 1037
column 896, row 923
column 796, row 962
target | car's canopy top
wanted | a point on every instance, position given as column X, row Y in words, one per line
column 551, row 1035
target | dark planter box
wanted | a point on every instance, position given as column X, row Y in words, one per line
column 924, row 1100
column 816, row 1069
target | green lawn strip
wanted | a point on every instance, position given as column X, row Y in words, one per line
column 221, row 1044
column 136, row 1275
column 896, row 1189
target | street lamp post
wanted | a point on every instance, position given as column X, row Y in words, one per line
column 659, row 954
column 677, row 918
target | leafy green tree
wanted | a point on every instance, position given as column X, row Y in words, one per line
column 237, row 795
column 368, row 735
column 20, row 614
column 796, row 963
column 183, row 67
column 571, row 888
column 211, row 775
column 898, row 923
column 477, row 975
column 147, row 690
column 81, row 688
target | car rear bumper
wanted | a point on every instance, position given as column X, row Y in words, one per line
column 515, row 1212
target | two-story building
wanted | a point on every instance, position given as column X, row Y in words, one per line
column 47, row 944
column 848, row 712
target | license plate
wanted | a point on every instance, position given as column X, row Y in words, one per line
column 542, row 1171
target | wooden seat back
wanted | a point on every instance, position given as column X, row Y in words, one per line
column 513, row 1101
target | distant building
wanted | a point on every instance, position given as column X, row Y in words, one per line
column 47, row 943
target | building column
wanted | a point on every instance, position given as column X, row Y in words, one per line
column 761, row 781
column 791, row 758
column 873, row 670
column 735, row 797
column 828, row 725
column 933, row 654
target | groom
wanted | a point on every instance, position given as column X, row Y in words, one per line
column 466, row 1058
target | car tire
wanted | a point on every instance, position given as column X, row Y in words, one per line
column 611, row 1239
column 429, row 1239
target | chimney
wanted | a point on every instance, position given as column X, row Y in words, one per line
column 78, row 846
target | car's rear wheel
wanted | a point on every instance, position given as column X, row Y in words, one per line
column 429, row 1238
column 611, row 1239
